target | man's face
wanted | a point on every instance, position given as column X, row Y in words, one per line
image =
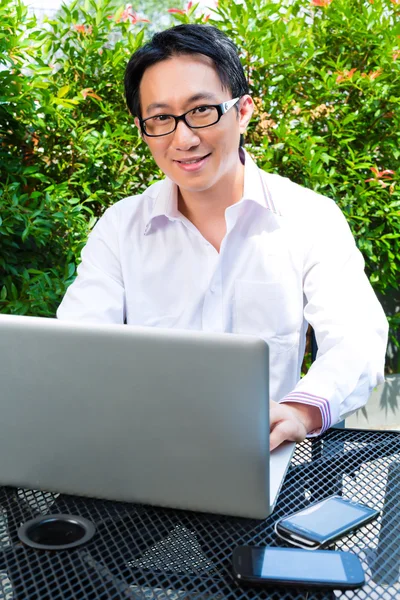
column 174, row 86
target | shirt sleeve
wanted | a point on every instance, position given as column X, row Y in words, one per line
column 97, row 295
column 350, row 326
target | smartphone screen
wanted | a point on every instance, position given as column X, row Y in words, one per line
column 298, row 567
column 326, row 520
column 296, row 564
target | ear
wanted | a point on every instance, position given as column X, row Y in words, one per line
column 246, row 110
column 137, row 123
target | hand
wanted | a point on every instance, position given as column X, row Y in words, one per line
column 291, row 421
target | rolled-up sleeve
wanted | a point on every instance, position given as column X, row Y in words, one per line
column 350, row 326
column 97, row 295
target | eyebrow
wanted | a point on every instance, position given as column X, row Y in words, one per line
column 194, row 98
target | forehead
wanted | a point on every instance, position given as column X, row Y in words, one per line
column 172, row 82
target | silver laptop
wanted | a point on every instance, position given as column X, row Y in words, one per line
column 157, row 416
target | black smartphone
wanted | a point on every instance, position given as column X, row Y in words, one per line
column 324, row 569
column 322, row 523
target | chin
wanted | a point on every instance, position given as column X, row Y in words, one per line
column 199, row 186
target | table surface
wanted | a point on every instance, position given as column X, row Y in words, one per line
column 147, row 553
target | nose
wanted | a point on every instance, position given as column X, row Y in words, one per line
column 184, row 137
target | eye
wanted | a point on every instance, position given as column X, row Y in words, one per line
column 162, row 118
column 201, row 110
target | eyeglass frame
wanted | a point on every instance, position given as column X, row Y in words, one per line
column 221, row 109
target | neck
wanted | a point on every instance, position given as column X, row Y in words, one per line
column 210, row 205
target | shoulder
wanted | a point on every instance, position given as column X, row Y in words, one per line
column 132, row 211
column 139, row 205
column 292, row 200
column 308, row 215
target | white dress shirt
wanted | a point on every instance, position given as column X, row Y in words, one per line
column 288, row 259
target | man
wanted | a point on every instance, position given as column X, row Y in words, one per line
column 220, row 245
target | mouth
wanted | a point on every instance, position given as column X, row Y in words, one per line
column 193, row 164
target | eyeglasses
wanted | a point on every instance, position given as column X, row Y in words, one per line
column 195, row 118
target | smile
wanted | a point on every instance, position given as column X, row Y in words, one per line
column 193, row 160
column 192, row 164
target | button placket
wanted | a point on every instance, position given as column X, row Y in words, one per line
column 212, row 308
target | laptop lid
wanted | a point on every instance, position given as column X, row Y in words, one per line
column 165, row 417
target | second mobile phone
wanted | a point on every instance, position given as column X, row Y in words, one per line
column 324, row 522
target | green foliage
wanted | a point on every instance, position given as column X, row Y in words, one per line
column 326, row 83
column 68, row 146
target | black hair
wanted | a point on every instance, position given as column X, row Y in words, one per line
column 186, row 39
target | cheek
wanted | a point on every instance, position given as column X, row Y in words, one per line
column 230, row 132
column 157, row 149
column 226, row 142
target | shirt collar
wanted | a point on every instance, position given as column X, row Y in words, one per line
column 165, row 203
column 255, row 190
column 255, row 186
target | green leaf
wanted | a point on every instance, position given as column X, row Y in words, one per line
column 119, row 12
column 65, row 103
column 71, row 270
column 63, row 91
column 25, row 233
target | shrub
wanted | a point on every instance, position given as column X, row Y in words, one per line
column 325, row 75
column 68, row 147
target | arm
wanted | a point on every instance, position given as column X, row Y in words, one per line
column 97, row 295
column 350, row 328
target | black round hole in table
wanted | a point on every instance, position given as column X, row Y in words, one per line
column 56, row 532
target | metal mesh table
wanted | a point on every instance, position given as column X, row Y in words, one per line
column 147, row 553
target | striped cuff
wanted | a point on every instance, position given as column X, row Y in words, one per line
column 321, row 403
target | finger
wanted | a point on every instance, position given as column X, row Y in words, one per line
column 276, row 414
column 285, row 431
